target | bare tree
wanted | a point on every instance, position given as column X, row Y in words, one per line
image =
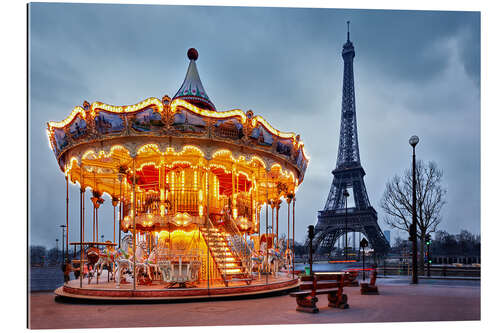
column 397, row 201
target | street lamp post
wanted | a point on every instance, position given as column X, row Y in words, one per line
column 57, row 250
column 62, row 243
column 428, row 243
column 413, row 228
column 310, row 234
column 363, row 244
column 346, row 195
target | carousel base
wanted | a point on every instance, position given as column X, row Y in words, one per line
column 159, row 291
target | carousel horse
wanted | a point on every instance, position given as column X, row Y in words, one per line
column 282, row 257
column 92, row 259
column 268, row 258
column 152, row 263
column 122, row 259
column 257, row 260
column 274, row 260
column 141, row 263
column 106, row 258
column 276, row 257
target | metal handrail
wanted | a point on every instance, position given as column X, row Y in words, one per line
column 243, row 249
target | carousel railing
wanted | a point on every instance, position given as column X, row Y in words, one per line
column 179, row 267
column 239, row 244
column 183, row 200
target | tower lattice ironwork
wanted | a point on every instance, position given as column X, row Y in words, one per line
column 335, row 219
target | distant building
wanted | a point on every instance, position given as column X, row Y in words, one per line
column 387, row 234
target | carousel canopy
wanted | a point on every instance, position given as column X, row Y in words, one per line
column 98, row 145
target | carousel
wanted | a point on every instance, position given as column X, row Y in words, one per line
column 190, row 187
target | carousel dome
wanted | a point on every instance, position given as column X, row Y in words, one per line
column 192, row 89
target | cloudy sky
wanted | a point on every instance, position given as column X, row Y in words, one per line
column 416, row 72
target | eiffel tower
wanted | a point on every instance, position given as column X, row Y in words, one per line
column 348, row 173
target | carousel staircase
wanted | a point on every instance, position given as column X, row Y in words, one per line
column 228, row 264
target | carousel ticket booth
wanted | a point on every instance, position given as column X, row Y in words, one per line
column 190, row 184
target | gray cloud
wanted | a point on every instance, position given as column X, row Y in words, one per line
column 416, row 72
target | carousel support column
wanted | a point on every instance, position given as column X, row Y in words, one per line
column 273, row 205
column 288, row 225
column 161, row 186
column 114, row 202
column 82, row 191
column 278, row 204
column 67, row 218
column 120, row 212
column 133, row 221
column 233, row 192
column 267, row 230
column 207, row 179
column 288, row 200
column 97, row 220
column 293, row 238
column 93, row 223
column 253, row 209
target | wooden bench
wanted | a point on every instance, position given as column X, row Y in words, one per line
column 329, row 283
column 351, row 278
column 370, row 288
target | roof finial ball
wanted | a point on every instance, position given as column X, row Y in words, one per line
column 192, row 54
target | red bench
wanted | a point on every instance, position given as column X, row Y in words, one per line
column 370, row 288
column 329, row 283
column 351, row 278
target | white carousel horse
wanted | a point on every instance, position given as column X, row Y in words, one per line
column 106, row 257
column 268, row 258
column 122, row 259
column 141, row 264
column 274, row 258
column 283, row 256
column 257, row 261
column 152, row 263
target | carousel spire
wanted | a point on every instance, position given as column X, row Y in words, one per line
column 192, row 89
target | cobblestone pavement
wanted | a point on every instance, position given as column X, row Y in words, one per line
column 429, row 302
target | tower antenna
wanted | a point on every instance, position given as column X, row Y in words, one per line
column 348, row 30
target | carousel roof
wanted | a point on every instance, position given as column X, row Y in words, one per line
column 192, row 89
column 97, row 140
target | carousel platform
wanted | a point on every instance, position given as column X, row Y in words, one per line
column 158, row 290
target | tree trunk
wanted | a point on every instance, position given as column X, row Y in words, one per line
column 421, row 264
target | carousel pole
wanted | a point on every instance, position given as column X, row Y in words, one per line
column 96, row 226
column 67, row 217
column 278, row 204
column 288, row 234
column 288, row 231
column 81, row 235
column 257, row 213
column 273, row 205
column 120, row 211
column 114, row 219
column 82, row 230
column 293, row 238
column 93, row 215
column 267, row 227
column 93, row 224
column 207, row 179
column 133, row 220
